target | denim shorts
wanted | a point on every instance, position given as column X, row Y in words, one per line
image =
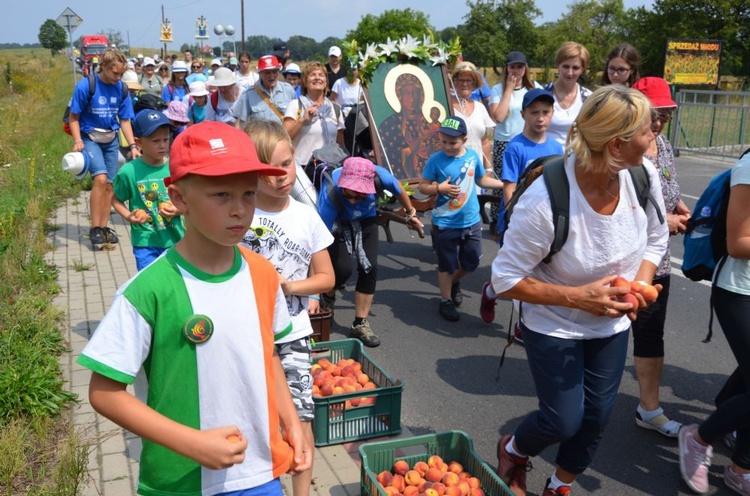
column 458, row 248
column 103, row 157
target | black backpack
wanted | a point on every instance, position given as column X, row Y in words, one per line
column 92, row 90
column 149, row 101
column 552, row 169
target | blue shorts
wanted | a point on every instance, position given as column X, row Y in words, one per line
column 272, row 488
column 103, row 157
column 458, row 248
column 144, row 255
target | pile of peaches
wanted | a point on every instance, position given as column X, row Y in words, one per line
column 431, row 478
column 345, row 376
column 647, row 291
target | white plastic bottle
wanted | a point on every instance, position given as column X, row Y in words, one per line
column 702, row 230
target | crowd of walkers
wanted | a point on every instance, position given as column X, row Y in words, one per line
column 573, row 323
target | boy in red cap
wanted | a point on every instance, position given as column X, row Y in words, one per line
column 194, row 331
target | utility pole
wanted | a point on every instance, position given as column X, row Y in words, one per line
column 164, row 50
column 242, row 16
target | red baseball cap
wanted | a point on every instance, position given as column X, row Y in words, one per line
column 657, row 90
column 214, row 149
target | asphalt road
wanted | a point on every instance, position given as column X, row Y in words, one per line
column 450, row 369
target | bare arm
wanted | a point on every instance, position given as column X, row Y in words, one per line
column 597, row 298
column 209, row 448
column 127, row 130
column 487, row 150
column 75, row 131
column 489, row 182
column 125, row 212
column 738, row 222
column 321, row 277
column 501, row 110
column 508, row 190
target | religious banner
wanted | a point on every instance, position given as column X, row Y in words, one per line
column 166, row 32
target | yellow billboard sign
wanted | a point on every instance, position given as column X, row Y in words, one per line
column 692, row 61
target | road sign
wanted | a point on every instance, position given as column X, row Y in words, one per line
column 69, row 20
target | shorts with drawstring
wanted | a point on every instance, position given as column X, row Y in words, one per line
column 296, row 357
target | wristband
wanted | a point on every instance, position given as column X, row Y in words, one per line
column 78, row 141
column 314, row 297
column 132, row 146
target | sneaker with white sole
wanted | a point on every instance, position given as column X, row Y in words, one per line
column 739, row 483
column 694, row 459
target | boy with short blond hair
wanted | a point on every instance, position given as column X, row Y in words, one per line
column 457, row 234
column 195, row 332
column 140, row 195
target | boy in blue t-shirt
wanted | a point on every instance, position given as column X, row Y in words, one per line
column 450, row 174
column 531, row 144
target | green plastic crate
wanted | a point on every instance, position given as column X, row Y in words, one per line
column 449, row 445
column 334, row 424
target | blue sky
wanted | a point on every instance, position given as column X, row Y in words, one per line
column 317, row 19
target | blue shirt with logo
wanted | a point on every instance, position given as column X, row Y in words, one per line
column 107, row 105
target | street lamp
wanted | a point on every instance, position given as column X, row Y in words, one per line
column 219, row 31
column 229, row 31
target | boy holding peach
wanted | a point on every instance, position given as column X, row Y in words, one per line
column 140, row 196
column 456, row 225
column 194, row 332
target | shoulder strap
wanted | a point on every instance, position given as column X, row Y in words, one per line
column 215, row 100
column 337, row 111
column 559, row 196
column 642, row 184
column 92, row 89
column 268, row 101
column 299, row 108
column 333, row 197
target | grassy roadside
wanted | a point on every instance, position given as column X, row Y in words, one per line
column 40, row 453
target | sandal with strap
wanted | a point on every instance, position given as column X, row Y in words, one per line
column 660, row 423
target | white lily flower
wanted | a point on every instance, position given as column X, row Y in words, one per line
column 428, row 43
column 407, row 45
column 388, row 47
column 440, row 58
column 372, row 50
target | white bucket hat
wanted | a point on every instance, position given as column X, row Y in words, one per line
column 223, row 77
column 179, row 66
column 76, row 163
column 198, row 88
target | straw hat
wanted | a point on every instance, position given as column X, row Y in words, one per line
column 130, row 78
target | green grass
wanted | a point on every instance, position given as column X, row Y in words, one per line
column 39, row 453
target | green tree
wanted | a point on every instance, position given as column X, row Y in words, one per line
column 114, row 37
column 495, row 27
column 599, row 25
column 52, row 36
column 725, row 20
column 392, row 23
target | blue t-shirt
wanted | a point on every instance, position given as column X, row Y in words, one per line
column 464, row 171
column 106, row 105
column 520, row 152
column 364, row 209
column 170, row 93
column 196, row 113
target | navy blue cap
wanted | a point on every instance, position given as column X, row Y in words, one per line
column 453, row 126
column 537, row 94
column 147, row 121
column 515, row 58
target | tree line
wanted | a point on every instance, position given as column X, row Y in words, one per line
column 492, row 28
